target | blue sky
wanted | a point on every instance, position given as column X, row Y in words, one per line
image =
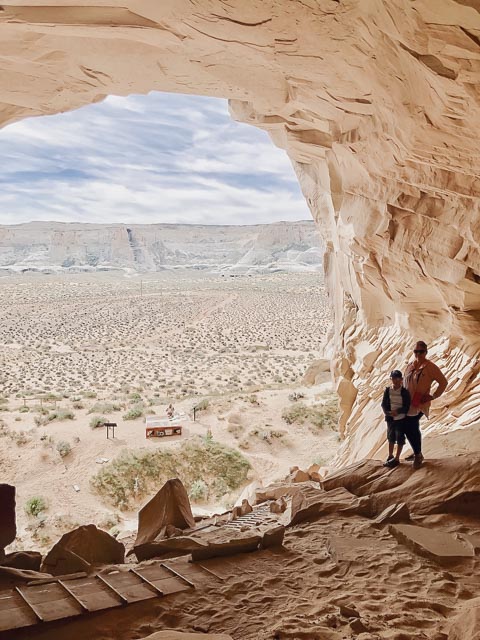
column 156, row 158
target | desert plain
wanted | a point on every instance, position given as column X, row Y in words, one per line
column 79, row 350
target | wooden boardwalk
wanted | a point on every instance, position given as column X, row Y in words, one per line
column 76, row 595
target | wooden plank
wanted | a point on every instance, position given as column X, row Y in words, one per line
column 52, row 601
column 179, row 575
column 147, row 581
column 32, row 607
column 17, row 615
column 130, row 586
column 74, row 596
column 107, row 583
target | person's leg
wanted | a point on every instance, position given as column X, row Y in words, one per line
column 391, row 441
column 414, row 436
column 400, row 435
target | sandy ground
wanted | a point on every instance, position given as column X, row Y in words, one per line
column 256, row 335
column 296, row 592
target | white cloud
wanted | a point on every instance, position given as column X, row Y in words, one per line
column 155, row 158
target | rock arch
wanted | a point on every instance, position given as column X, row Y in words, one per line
column 377, row 104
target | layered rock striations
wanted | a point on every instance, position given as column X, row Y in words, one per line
column 377, row 105
column 60, row 247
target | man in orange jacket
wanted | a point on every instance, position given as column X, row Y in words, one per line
column 418, row 379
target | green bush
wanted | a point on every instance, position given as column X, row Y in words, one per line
column 296, row 414
column 60, row 414
column 198, row 491
column 104, row 407
column 203, row 405
column 197, row 458
column 133, row 413
column 35, row 505
column 63, row 448
column 97, row 421
column 322, row 416
column 24, row 409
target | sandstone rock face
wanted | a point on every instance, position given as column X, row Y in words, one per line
column 377, row 105
column 8, row 525
column 69, row 248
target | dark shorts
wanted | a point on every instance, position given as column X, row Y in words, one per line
column 396, row 431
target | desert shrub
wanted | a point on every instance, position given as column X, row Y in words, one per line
column 198, row 491
column 296, row 414
column 89, row 394
column 202, row 405
column 325, row 415
column 60, row 414
column 197, row 458
column 322, row 416
column 104, row 407
column 96, row 421
column 78, row 404
column 24, row 409
column 133, row 413
column 51, row 396
column 35, row 505
column 63, row 448
column 20, row 437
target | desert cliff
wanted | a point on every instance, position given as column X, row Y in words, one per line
column 377, row 105
column 56, row 247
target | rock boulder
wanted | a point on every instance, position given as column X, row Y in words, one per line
column 82, row 549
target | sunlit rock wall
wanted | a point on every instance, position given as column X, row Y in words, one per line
column 376, row 103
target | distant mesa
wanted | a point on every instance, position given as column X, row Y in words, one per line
column 55, row 247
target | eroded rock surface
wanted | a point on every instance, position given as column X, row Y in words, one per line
column 377, row 105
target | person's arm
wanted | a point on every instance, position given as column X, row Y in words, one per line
column 405, row 401
column 441, row 380
column 386, row 402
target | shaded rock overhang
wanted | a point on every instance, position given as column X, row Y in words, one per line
column 376, row 103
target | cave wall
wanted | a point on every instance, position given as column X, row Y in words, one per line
column 377, row 104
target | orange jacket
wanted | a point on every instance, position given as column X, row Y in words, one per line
column 418, row 382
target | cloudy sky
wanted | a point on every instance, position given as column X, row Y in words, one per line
column 155, row 158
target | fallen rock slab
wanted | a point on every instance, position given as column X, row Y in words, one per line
column 170, row 506
column 81, row 549
column 312, row 504
column 168, row 548
column 440, row 546
column 228, row 548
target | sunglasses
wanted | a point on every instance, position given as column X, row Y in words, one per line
column 419, row 351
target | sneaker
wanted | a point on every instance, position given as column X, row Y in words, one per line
column 393, row 463
column 410, row 458
column 388, row 460
column 417, row 461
